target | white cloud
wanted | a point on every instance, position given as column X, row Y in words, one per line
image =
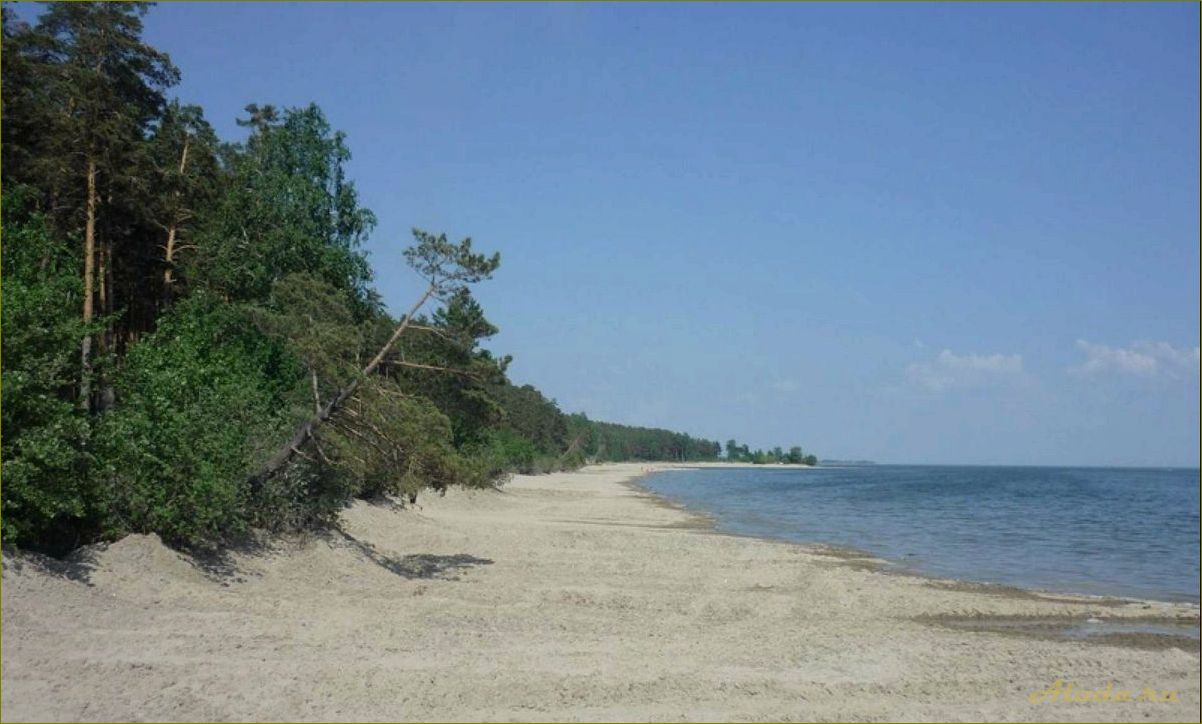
column 1143, row 359
column 949, row 370
column 786, row 386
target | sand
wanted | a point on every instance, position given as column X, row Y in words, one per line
column 562, row 597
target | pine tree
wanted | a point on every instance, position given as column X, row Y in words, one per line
column 101, row 88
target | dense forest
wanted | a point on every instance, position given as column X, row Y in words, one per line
column 191, row 342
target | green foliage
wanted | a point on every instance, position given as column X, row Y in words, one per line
column 306, row 494
column 572, row 459
column 95, row 88
column 609, row 442
column 441, row 360
column 504, row 451
column 82, row 95
column 183, row 151
column 741, row 453
column 390, row 443
column 197, row 400
column 534, row 418
column 448, row 267
column 46, row 496
column 316, row 322
column 287, row 207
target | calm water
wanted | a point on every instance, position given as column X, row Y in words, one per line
column 1110, row 531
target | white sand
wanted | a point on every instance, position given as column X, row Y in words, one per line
column 599, row 603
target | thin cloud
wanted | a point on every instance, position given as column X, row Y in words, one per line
column 786, row 386
column 950, row 370
column 1141, row 359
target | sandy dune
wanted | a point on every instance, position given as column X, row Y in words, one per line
column 570, row 596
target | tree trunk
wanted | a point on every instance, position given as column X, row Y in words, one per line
column 104, row 284
column 102, row 296
column 169, row 272
column 305, row 432
column 89, row 272
column 104, row 396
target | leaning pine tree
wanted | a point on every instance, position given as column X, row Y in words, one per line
column 448, row 269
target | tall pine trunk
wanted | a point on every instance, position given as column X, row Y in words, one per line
column 89, row 273
column 104, row 278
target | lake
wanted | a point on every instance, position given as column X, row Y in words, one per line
column 1101, row 531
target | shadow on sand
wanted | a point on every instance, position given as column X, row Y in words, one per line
column 219, row 564
column 77, row 566
column 417, row 565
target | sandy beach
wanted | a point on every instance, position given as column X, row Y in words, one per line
column 573, row 596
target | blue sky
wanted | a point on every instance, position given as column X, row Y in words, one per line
column 929, row 233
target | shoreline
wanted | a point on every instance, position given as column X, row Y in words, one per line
column 1166, row 631
column 570, row 596
column 885, row 566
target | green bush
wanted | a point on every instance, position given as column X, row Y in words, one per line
column 199, row 402
column 305, row 494
column 504, row 451
column 572, row 460
column 391, row 443
column 47, row 499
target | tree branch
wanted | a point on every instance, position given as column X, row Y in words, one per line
column 436, row 368
column 306, row 430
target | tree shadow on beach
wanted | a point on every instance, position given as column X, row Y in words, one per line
column 417, row 565
column 78, row 566
column 219, row 563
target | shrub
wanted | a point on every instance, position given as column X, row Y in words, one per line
column 198, row 403
column 504, row 451
column 572, row 460
column 390, row 443
column 47, row 499
column 305, row 494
